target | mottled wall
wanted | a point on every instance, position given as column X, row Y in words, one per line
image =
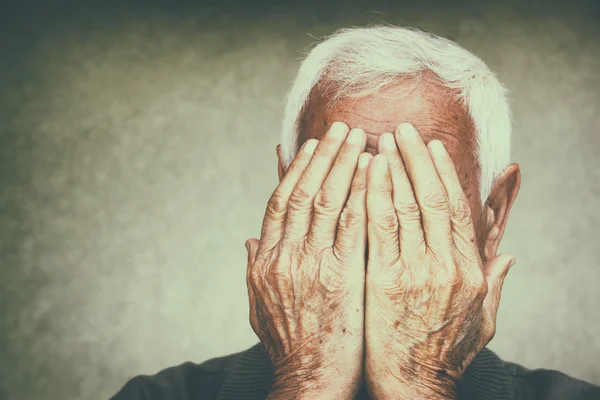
column 137, row 153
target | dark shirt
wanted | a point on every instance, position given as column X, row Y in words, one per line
column 247, row 375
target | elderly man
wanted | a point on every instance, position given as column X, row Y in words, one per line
column 376, row 275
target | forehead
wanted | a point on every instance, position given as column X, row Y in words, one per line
column 431, row 108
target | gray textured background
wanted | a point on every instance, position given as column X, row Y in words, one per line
column 137, row 155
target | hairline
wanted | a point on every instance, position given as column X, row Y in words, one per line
column 480, row 92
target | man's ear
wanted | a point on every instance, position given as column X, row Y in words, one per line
column 281, row 169
column 498, row 208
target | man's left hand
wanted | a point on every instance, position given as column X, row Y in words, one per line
column 431, row 303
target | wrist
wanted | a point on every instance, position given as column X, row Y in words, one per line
column 435, row 391
column 412, row 391
column 322, row 394
column 303, row 378
column 435, row 386
column 313, row 386
column 313, row 392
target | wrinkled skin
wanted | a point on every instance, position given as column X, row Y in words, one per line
column 432, row 278
column 306, row 275
column 431, row 303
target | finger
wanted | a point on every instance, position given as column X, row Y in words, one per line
column 252, row 308
column 301, row 202
column 407, row 210
column 251, row 249
column 332, row 196
column 463, row 232
column 275, row 215
column 428, row 189
column 351, row 235
column 382, row 231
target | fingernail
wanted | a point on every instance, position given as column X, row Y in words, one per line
column 310, row 146
column 355, row 137
column 436, row 146
column 512, row 263
column 247, row 246
column 337, row 130
column 363, row 160
column 407, row 130
column 388, row 141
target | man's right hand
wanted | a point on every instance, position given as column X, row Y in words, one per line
column 306, row 274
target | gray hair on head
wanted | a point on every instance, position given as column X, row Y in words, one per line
column 362, row 61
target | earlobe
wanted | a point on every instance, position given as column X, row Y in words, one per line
column 499, row 205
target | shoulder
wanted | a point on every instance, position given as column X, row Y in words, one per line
column 182, row 382
column 544, row 384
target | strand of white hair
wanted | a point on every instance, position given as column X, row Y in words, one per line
column 361, row 61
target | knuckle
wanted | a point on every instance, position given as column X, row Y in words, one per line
column 254, row 277
column 324, row 150
column 478, row 285
column 359, row 185
column 446, row 173
column 345, row 158
column 384, row 188
column 277, row 204
column 460, row 211
column 408, row 209
column 350, row 218
column 387, row 220
column 325, row 203
column 435, row 200
column 300, row 198
column 313, row 245
column 296, row 166
column 396, row 165
column 343, row 251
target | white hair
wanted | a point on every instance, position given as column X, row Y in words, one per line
column 362, row 61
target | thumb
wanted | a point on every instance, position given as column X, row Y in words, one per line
column 495, row 270
column 497, row 267
column 252, row 248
